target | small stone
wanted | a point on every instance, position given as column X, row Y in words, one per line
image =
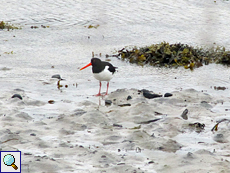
column 129, row 98
column 51, row 101
column 57, row 76
column 121, row 164
column 17, row 96
column 184, row 114
column 122, row 105
column 168, row 95
column 117, row 125
column 149, row 95
column 108, row 102
column 153, row 135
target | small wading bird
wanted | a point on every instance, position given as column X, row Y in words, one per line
column 102, row 71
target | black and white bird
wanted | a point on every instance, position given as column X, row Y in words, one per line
column 102, row 71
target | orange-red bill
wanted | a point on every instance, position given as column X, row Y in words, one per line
column 86, row 66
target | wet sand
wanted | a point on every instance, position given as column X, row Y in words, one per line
column 67, row 129
column 134, row 135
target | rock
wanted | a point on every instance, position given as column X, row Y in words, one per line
column 117, row 125
column 17, row 96
column 149, row 95
column 51, row 101
column 57, row 76
column 129, row 98
column 122, row 105
column 150, row 121
column 184, row 114
column 168, row 95
column 108, row 102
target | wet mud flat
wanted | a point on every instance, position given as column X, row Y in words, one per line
column 130, row 130
column 122, row 132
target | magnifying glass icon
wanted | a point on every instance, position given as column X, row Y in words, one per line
column 9, row 160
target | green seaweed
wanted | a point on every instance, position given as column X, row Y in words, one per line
column 5, row 25
column 175, row 55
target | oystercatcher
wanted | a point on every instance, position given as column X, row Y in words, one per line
column 102, row 71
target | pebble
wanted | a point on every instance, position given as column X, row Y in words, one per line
column 57, row 76
column 184, row 114
column 117, row 125
column 168, row 95
column 17, row 95
column 129, row 98
column 149, row 95
column 108, row 102
column 127, row 104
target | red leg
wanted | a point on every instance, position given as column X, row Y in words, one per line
column 107, row 89
column 99, row 93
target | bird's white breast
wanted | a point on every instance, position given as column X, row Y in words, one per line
column 105, row 75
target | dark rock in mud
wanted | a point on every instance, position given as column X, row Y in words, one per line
column 123, row 105
column 168, row 95
column 149, row 121
column 149, row 95
column 57, row 76
column 17, row 96
column 184, row 114
column 108, row 102
column 117, row 125
column 129, row 97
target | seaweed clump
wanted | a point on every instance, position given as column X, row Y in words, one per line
column 7, row 26
column 174, row 55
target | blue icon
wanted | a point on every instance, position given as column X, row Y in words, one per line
column 9, row 160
